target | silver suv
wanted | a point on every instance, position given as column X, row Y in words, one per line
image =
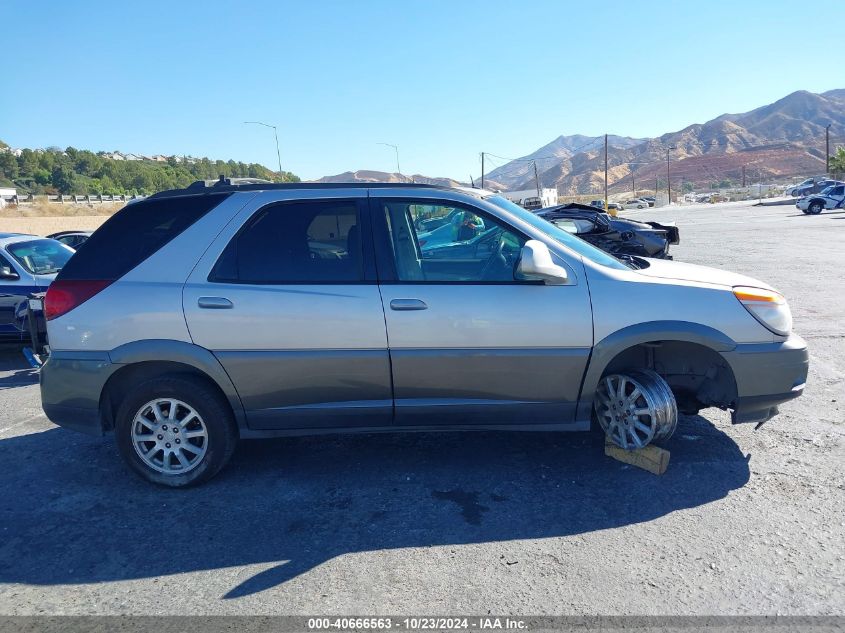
column 200, row 316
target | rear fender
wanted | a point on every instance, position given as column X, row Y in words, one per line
column 186, row 353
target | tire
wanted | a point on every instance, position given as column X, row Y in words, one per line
column 652, row 398
column 204, row 422
column 815, row 208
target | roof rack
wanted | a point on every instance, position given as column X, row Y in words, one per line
column 227, row 185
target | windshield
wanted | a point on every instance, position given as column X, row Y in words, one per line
column 558, row 234
column 40, row 257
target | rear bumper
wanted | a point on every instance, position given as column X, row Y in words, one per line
column 71, row 384
column 767, row 375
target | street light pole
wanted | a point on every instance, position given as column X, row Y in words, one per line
column 607, row 210
column 668, row 175
column 827, row 149
column 275, row 136
column 395, row 149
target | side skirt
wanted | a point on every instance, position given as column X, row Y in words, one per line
column 257, row 434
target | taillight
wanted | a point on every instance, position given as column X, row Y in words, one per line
column 65, row 295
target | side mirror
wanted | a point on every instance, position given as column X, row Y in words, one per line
column 7, row 273
column 535, row 262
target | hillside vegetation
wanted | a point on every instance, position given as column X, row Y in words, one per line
column 81, row 172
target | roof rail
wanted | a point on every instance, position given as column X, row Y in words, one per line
column 227, row 185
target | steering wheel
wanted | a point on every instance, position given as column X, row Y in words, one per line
column 496, row 259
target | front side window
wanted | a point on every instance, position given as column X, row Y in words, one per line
column 435, row 242
column 40, row 257
column 300, row 242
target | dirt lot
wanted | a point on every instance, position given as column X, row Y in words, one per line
column 743, row 522
column 46, row 225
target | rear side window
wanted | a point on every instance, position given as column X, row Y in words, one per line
column 135, row 233
column 296, row 242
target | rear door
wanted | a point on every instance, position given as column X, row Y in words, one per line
column 469, row 343
column 287, row 299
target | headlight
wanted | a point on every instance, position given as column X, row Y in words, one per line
column 768, row 307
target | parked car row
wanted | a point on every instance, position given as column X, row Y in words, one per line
column 810, row 186
column 632, row 203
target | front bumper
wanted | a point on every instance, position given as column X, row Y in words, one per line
column 767, row 374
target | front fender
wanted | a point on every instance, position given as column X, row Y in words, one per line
column 612, row 345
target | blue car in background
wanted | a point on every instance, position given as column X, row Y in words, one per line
column 28, row 264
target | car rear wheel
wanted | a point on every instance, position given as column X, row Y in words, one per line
column 175, row 431
column 635, row 408
column 815, row 208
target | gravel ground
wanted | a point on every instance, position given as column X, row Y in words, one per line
column 743, row 522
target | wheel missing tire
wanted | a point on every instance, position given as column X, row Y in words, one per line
column 636, row 408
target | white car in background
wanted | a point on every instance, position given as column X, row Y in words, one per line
column 636, row 203
column 832, row 197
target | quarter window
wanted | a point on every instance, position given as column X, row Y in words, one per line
column 300, row 242
column 441, row 243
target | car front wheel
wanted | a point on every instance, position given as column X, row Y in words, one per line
column 175, row 431
column 635, row 408
column 815, row 208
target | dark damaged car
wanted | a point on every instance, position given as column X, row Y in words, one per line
column 615, row 235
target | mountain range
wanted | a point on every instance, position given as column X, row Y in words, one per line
column 780, row 140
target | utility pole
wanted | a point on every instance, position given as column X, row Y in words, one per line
column 633, row 186
column 482, row 170
column 396, row 149
column 275, row 135
column 827, row 149
column 743, row 176
column 537, row 179
column 605, row 173
column 668, row 175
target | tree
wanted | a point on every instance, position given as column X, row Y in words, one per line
column 27, row 163
column 64, row 179
column 8, row 165
column 837, row 161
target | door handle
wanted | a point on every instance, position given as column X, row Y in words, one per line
column 214, row 303
column 408, row 304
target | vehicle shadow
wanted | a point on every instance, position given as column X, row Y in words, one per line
column 15, row 371
column 75, row 516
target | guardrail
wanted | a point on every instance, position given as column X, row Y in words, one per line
column 89, row 199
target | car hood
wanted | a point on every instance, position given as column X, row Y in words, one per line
column 669, row 269
column 43, row 281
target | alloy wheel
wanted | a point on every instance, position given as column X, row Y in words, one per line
column 636, row 409
column 169, row 436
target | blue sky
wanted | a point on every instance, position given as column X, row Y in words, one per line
column 443, row 80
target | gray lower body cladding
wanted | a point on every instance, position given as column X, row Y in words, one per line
column 318, row 391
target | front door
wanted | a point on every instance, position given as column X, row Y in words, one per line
column 469, row 343
column 289, row 304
